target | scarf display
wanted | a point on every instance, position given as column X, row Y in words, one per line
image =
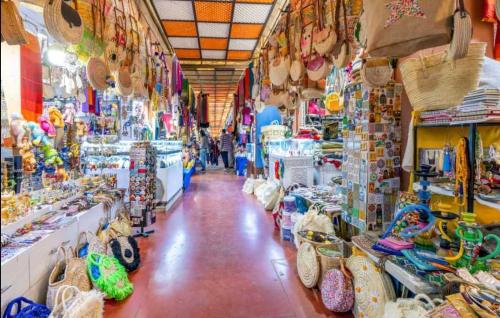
column 31, row 79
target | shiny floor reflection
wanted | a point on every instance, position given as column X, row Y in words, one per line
column 216, row 254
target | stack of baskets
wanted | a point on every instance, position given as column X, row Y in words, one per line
column 314, row 259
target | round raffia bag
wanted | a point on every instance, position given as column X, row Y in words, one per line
column 308, row 265
column 109, row 276
column 12, row 25
column 279, row 70
column 63, row 22
column 126, row 251
column 73, row 272
column 71, row 302
column 432, row 81
column 123, row 80
column 376, row 72
column 337, row 292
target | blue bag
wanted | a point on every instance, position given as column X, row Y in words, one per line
column 25, row 308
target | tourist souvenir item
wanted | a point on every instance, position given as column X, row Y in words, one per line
column 22, row 307
column 72, row 302
column 387, row 25
column 109, row 276
column 337, row 291
column 68, row 271
column 63, row 22
column 376, row 72
column 126, row 251
column 12, row 24
column 308, row 265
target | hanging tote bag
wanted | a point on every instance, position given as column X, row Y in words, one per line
column 74, row 303
column 67, row 271
column 109, row 276
column 376, row 72
column 433, row 82
column 126, row 251
column 25, row 308
column 308, row 265
column 337, row 291
column 400, row 28
column 12, row 24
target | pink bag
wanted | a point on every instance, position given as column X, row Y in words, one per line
column 337, row 291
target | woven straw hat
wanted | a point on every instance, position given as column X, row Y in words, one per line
column 97, row 72
column 308, row 265
column 12, row 24
column 63, row 22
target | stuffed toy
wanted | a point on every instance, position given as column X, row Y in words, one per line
column 61, row 174
column 29, row 162
column 69, row 113
column 17, row 131
column 36, row 134
column 47, row 126
column 56, row 117
column 51, row 155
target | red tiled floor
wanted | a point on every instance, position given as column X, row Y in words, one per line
column 217, row 255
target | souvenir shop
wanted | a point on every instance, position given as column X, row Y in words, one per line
column 92, row 129
column 373, row 132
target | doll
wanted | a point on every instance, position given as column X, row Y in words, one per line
column 47, row 126
column 51, row 156
column 56, row 118
column 69, row 114
column 29, row 162
column 36, row 134
column 17, row 131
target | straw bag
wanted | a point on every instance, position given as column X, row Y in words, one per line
column 25, row 308
column 329, row 257
column 324, row 37
column 248, row 185
column 97, row 73
column 72, row 302
column 337, row 291
column 279, row 69
column 297, row 68
column 342, row 55
column 274, row 131
column 307, row 265
column 371, row 294
column 400, row 28
column 376, row 72
column 462, row 32
column 432, row 82
column 63, row 22
column 126, row 251
column 68, row 271
column 122, row 225
column 317, row 68
column 12, row 24
column 109, row 276
column 410, row 307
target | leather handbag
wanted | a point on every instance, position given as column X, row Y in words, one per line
column 126, row 251
column 71, row 302
column 69, row 270
column 337, row 291
column 400, row 28
column 109, row 276
column 25, row 308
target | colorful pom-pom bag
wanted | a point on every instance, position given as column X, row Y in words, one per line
column 109, row 276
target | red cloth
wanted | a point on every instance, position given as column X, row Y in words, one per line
column 31, row 79
column 497, row 42
column 247, row 84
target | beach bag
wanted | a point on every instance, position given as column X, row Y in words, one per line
column 12, row 24
column 121, row 225
column 109, row 276
column 376, row 72
column 248, row 186
column 416, row 307
column 433, row 82
column 126, row 251
column 25, row 308
column 337, row 291
column 308, row 265
column 69, row 270
column 74, row 303
column 63, row 22
column 400, row 28
column 371, row 289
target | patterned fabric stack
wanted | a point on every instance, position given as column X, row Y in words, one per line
column 482, row 105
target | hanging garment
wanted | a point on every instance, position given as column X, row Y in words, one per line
column 247, row 84
column 31, row 79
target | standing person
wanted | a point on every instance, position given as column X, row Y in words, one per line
column 203, row 150
column 215, row 158
column 225, row 147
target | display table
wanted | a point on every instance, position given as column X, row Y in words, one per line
column 412, row 282
column 27, row 273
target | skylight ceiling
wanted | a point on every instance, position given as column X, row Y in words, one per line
column 215, row 40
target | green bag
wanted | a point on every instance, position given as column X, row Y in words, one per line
column 109, row 276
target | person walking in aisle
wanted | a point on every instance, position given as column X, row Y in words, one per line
column 203, row 150
column 225, row 147
column 215, row 153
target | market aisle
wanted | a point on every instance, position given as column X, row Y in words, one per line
column 217, row 255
